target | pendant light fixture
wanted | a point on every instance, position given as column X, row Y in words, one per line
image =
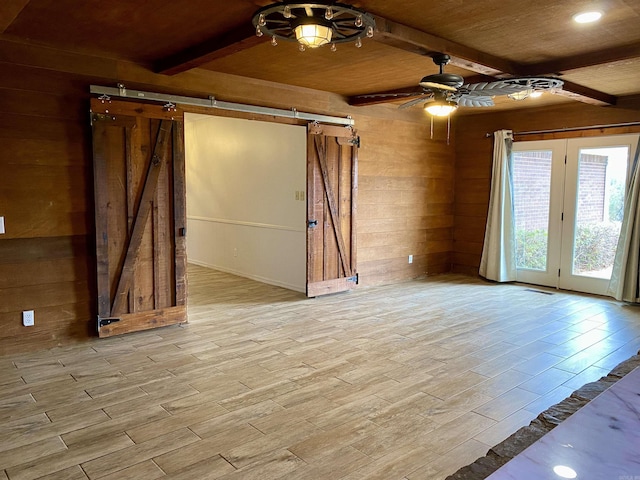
column 313, row 32
column 313, row 25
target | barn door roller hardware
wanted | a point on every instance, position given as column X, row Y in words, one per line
column 211, row 102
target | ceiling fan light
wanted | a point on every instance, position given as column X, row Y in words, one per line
column 441, row 108
column 536, row 94
column 521, row 95
column 587, row 17
column 313, row 35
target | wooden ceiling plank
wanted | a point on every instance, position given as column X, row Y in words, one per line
column 422, row 43
column 608, row 55
column 9, row 11
column 400, row 36
column 231, row 42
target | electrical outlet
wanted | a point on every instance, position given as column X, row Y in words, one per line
column 28, row 318
column 410, row 258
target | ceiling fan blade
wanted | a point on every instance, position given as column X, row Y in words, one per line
column 385, row 97
column 437, row 86
column 395, row 95
column 509, row 86
column 423, row 98
column 475, row 101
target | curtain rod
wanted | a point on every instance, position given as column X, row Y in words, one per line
column 211, row 102
column 573, row 129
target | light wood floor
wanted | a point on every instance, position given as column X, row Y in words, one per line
column 409, row 381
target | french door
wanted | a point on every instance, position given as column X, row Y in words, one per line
column 568, row 204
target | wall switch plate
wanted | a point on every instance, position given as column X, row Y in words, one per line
column 410, row 258
column 1, row 225
column 28, row 318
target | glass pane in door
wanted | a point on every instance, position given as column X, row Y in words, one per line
column 599, row 208
column 531, row 198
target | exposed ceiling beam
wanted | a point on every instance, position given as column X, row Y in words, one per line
column 229, row 43
column 422, row 43
column 9, row 11
column 586, row 95
column 590, row 59
column 233, row 41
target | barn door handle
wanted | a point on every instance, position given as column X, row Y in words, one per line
column 312, row 223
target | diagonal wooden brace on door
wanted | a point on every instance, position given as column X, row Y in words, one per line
column 158, row 160
column 333, row 209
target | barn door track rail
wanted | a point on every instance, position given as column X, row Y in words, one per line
column 211, row 102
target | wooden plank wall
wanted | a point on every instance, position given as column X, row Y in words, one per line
column 405, row 201
column 47, row 204
column 474, row 159
column 47, row 259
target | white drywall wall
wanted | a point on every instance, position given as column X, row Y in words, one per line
column 242, row 213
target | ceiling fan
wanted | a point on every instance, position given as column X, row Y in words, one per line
column 443, row 92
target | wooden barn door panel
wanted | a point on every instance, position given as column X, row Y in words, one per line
column 140, row 216
column 332, row 172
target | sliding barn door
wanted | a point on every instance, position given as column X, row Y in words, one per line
column 139, row 181
column 332, row 173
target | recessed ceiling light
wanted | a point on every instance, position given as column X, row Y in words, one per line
column 587, row 17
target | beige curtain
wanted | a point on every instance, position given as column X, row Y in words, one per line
column 498, row 260
column 625, row 280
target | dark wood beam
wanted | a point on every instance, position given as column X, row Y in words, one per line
column 422, row 43
column 586, row 95
column 599, row 57
column 9, row 11
column 234, row 41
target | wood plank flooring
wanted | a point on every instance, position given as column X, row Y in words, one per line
column 410, row 381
